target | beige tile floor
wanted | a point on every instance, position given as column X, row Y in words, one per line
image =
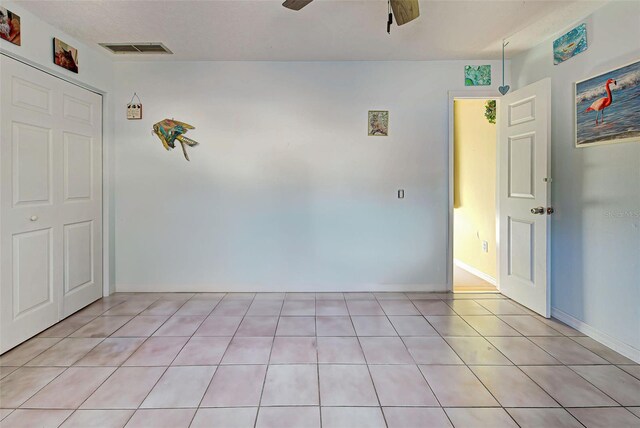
column 464, row 282
column 343, row 360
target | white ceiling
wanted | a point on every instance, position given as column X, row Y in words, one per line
column 325, row 30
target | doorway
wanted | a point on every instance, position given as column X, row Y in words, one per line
column 474, row 195
column 522, row 189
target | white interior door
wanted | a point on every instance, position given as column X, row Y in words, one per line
column 50, row 200
column 30, row 265
column 81, row 196
column 523, row 186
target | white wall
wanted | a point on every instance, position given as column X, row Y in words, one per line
column 95, row 67
column 95, row 72
column 595, row 248
column 286, row 190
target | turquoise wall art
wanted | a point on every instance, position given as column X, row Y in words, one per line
column 477, row 75
column 570, row 45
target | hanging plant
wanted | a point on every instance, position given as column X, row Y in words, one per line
column 490, row 111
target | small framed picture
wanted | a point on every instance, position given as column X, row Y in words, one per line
column 477, row 75
column 570, row 44
column 9, row 26
column 65, row 56
column 378, row 123
column 607, row 108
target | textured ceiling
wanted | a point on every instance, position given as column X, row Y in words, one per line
column 325, row 30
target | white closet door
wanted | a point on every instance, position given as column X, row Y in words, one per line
column 80, row 130
column 50, row 200
column 31, row 268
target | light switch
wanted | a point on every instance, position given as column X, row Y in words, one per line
column 401, row 194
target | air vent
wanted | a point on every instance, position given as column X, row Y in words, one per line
column 136, row 48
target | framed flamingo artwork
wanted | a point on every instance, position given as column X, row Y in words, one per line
column 607, row 107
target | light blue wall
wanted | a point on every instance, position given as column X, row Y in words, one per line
column 595, row 247
column 286, row 191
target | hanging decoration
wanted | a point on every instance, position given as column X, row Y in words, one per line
column 170, row 130
column 504, row 88
column 134, row 110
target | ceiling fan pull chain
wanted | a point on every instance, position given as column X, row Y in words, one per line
column 390, row 20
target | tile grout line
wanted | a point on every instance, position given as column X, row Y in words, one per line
column 169, row 365
column 418, row 365
column 122, row 363
column 472, row 372
column 519, row 367
column 375, row 389
column 315, row 323
column 476, row 376
column 195, row 413
column 24, row 365
column 266, row 370
column 514, row 365
column 65, row 367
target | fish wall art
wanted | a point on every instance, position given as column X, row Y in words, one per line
column 170, row 130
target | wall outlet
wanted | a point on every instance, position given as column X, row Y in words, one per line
column 485, row 246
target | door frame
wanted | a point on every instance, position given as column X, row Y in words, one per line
column 468, row 94
column 106, row 156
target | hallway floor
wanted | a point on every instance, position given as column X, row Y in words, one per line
column 343, row 360
column 465, row 282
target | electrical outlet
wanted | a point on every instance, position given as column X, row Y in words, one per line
column 485, row 246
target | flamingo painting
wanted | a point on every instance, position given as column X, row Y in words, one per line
column 600, row 104
column 594, row 94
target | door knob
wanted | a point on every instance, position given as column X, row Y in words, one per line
column 33, row 218
column 537, row 210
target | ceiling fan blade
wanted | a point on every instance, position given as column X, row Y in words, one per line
column 405, row 10
column 296, row 4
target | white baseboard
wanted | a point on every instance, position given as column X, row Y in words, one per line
column 611, row 342
column 473, row 271
column 278, row 288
